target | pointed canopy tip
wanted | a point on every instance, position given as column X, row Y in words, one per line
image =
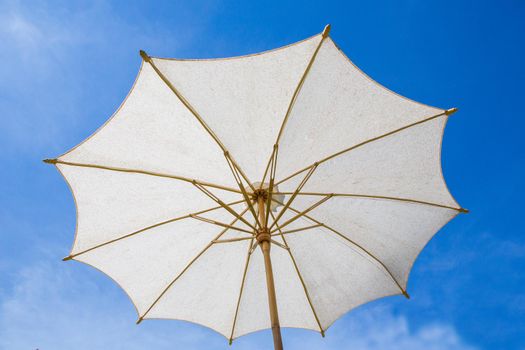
column 139, row 320
column 451, row 111
column 406, row 294
column 326, row 30
column 67, row 258
column 322, row 333
column 50, row 161
column 230, row 341
column 463, row 210
column 144, row 55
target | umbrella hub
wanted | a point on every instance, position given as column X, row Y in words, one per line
column 262, row 191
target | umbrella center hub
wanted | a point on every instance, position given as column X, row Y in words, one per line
column 264, row 190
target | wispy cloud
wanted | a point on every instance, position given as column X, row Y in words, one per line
column 56, row 59
column 54, row 308
column 379, row 328
column 58, row 306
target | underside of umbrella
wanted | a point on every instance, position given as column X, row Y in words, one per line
column 206, row 161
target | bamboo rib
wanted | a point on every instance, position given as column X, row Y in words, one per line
column 71, row 256
column 370, row 254
column 232, row 240
column 143, row 172
column 248, row 255
column 273, row 168
column 295, row 193
column 268, row 166
column 324, row 35
column 294, row 230
column 279, row 244
column 301, row 82
column 254, row 247
column 221, row 224
column 300, row 278
column 187, row 267
column 303, row 213
column 355, row 244
column 221, row 203
column 362, row 144
column 193, row 111
column 461, row 210
column 238, row 180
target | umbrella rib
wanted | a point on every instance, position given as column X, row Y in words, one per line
column 221, row 224
column 295, row 193
column 143, row 172
column 268, row 165
column 302, row 213
column 324, row 34
column 187, row 267
column 232, row 240
column 201, row 185
column 273, row 168
column 281, row 233
column 447, row 112
column 294, row 230
column 71, row 256
column 355, row 244
column 224, row 205
column 190, row 108
column 371, row 255
column 248, row 256
column 280, row 245
column 461, row 210
column 238, row 180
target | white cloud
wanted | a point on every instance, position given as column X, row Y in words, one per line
column 61, row 306
column 379, row 328
column 52, row 307
column 25, row 33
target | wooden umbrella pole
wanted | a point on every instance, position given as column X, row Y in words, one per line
column 263, row 237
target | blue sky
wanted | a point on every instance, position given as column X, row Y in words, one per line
column 66, row 66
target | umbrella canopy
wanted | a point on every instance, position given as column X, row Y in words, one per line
column 295, row 149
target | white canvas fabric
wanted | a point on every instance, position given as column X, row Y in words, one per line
column 154, row 131
column 243, row 99
column 405, row 165
column 339, row 107
column 151, row 185
column 396, row 238
column 338, row 276
column 111, row 204
column 148, row 262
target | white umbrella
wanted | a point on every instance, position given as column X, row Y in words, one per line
column 294, row 149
